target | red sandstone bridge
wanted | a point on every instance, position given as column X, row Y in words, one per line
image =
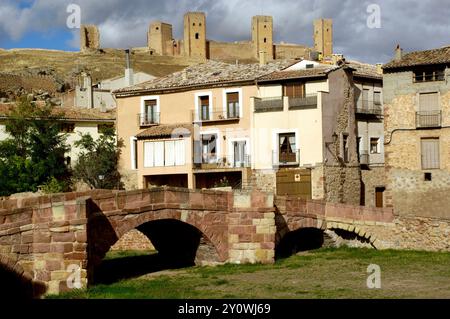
column 40, row 237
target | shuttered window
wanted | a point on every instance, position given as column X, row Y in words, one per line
column 149, row 156
column 428, row 102
column 430, row 153
column 294, row 89
column 180, row 157
column 164, row 153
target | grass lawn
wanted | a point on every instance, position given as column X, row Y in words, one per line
column 323, row 273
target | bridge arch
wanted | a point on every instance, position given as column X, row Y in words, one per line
column 169, row 230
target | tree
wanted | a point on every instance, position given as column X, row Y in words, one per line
column 34, row 152
column 97, row 164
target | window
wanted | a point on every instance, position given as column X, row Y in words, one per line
column 374, row 145
column 287, row 148
column 209, row 148
column 204, row 108
column 265, row 40
column 134, row 152
column 67, row 127
column 102, row 128
column 294, row 89
column 377, row 98
column 429, row 114
column 233, row 105
column 310, row 66
column 345, row 148
column 428, row 102
column 197, row 36
column 430, row 153
column 427, row 75
column 239, row 153
column 365, row 98
column 164, row 153
column 150, row 115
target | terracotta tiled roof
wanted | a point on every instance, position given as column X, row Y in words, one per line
column 364, row 70
column 71, row 113
column 295, row 74
column 427, row 57
column 211, row 72
column 160, row 131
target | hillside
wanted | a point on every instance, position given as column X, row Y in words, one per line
column 64, row 66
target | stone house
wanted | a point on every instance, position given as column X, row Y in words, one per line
column 417, row 136
column 311, row 129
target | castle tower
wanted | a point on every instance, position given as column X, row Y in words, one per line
column 89, row 38
column 195, row 34
column 262, row 36
column 323, row 36
column 159, row 37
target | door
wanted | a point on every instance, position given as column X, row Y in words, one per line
column 379, row 191
column 294, row 182
column 239, row 153
column 204, row 108
column 150, row 116
column 233, row 105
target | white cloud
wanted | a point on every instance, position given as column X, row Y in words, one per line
column 415, row 24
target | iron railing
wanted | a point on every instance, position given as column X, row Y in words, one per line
column 212, row 161
column 307, row 102
column 285, row 158
column 268, row 104
column 368, row 107
column 428, row 119
column 148, row 119
column 215, row 116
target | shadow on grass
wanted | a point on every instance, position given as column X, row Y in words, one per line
column 115, row 269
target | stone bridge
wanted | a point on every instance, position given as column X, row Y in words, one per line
column 42, row 237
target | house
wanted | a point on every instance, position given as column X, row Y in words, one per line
column 75, row 122
column 312, row 126
column 99, row 95
column 417, row 136
column 190, row 128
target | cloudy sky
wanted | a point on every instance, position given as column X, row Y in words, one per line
column 414, row 24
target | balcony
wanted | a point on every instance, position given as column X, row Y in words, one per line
column 148, row 119
column 428, row 119
column 364, row 158
column 368, row 107
column 299, row 103
column 268, row 104
column 286, row 159
column 216, row 116
column 212, row 161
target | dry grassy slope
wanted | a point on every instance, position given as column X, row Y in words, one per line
column 101, row 65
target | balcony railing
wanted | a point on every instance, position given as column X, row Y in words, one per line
column 212, row 161
column 268, row 104
column 428, row 119
column 286, row 158
column 215, row 116
column 148, row 119
column 364, row 158
column 307, row 102
column 368, row 107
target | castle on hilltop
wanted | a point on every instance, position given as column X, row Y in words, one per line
column 194, row 44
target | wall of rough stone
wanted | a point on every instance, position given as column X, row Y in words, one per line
column 286, row 51
column 230, row 51
column 406, row 188
column 133, row 240
column 371, row 178
column 14, row 82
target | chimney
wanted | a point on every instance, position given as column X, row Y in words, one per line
column 262, row 58
column 129, row 75
column 379, row 69
column 398, row 53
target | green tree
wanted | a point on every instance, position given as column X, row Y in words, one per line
column 34, row 152
column 97, row 164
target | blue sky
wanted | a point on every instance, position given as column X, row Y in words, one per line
column 414, row 24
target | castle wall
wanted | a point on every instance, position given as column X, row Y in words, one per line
column 230, row 51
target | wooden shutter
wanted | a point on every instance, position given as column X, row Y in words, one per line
column 294, row 89
column 428, row 102
column 233, row 97
column 430, row 153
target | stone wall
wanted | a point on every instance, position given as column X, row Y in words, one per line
column 89, row 38
column 371, row 178
column 13, row 83
column 407, row 190
column 264, row 180
column 230, row 51
column 133, row 240
column 342, row 184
